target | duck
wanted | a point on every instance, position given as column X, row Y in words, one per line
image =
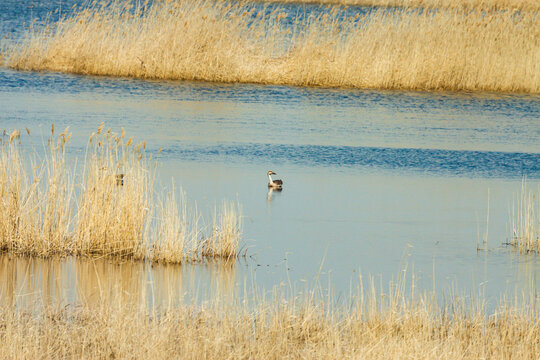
column 274, row 184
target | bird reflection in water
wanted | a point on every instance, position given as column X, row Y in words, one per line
column 270, row 193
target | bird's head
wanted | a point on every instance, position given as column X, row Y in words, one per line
column 271, row 173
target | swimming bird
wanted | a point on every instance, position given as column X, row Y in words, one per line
column 274, row 184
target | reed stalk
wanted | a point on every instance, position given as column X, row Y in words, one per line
column 525, row 225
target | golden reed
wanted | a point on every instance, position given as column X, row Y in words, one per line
column 525, row 224
column 374, row 326
column 531, row 5
column 202, row 40
column 111, row 210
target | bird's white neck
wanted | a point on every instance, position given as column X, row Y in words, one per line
column 270, row 178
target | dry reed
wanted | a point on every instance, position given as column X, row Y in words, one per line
column 370, row 327
column 226, row 229
column 526, row 220
column 529, row 5
column 116, row 198
column 110, row 212
column 202, row 40
column 178, row 232
column 35, row 200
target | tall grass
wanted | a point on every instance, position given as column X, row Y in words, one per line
column 226, row 229
column 111, row 211
column 531, row 5
column 179, row 230
column 116, row 198
column 369, row 327
column 35, row 199
column 222, row 42
column 526, row 220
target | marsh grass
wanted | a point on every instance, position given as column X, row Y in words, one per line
column 224, row 42
column 111, row 211
column 226, row 230
column 35, row 199
column 373, row 325
column 525, row 224
column 179, row 230
column 530, row 5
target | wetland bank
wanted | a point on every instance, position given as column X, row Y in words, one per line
column 391, row 238
column 389, row 48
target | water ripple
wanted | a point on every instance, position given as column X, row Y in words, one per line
column 447, row 162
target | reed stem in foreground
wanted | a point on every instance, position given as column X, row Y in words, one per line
column 370, row 327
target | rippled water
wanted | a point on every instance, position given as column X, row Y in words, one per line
column 375, row 181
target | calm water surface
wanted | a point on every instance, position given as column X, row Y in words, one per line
column 375, row 182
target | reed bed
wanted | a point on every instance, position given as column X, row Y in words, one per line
column 371, row 327
column 528, row 5
column 112, row 211
column 35, row 218
column 526, row 220
column 217, row 41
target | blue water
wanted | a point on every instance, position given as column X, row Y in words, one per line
column 17, row 15
column 374, row 181
column 428, row 161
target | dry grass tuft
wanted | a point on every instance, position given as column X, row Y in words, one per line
column 526, row 220
column 226, row 230
column 203, row 40
column 178, row 232
column 109, row 213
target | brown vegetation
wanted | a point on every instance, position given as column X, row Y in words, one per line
column 526, row 220
column 200, row 40
column 531, row 5
column 109, row 212
column 375, row 327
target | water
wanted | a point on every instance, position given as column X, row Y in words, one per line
column 375, row 182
